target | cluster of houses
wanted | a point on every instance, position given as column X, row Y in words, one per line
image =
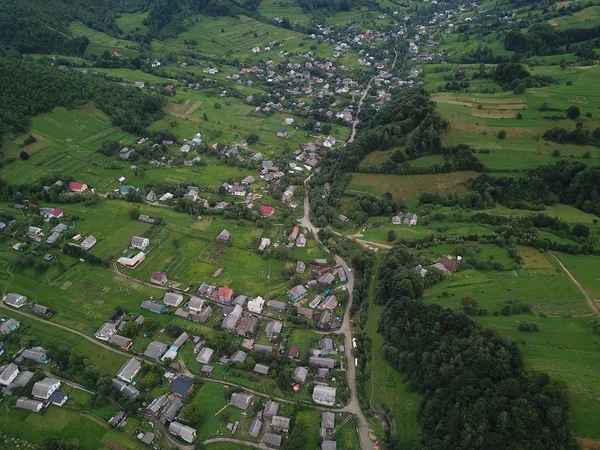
column 18, row 301
column 408, row 219
column 445, row 265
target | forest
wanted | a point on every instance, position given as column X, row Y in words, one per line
column 37, row 88
column 542, row 39
column 571, row 183
column 476, row 393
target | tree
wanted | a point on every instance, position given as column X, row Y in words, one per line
column 501, row 134
column 23, row 155
column 131, row 329
column 580, row 230
column 222, row 190
column 556, row 153
column 252, row 139
column 193, row 414
column 573, row 112
column 151, row 325
column 217, row 105
column 391, row 236
column 134, row 213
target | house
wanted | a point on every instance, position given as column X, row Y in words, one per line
column 248, row 180
column 294, row 352
column 156, row 405
column 165, row 197
column 225, row 294
column 322, row 362
column 180, row 312
column 327, row 279
column 305, row 312
column 159, row 278
column 273, row 439
column 289, row 121
column 343, row 218
column 45, row 388
column 173, row 299
column 155, row 350
column 196, row 305
column 151, row 197
column 238, row 190
column 124, row 343
column 8, row 373
column 58, row 398
column 326, row 346
column 207, row 370
column 151, row 306
column 140, row 242
column 77, row 187
column 261, row 368
column 129, row 370
column 255, row 49
column 203, row 316
column 169, row 88
column 247, row 326
column 182, row 386
column 282, row 132
column 240, row 400
column 300, row 374
column 396, row 220
column 294, row 234
column 329, row 142
column 449, row 265
column 271, row 409
column 328, row 420
column 266, row 211
column 29, row 404
column 296, row 293
column 276, row 305
column 15, row 300
column 88, row 242
column 255, row 427
column 171, row 410
column 329, row 445
column 330, row 303
column 9, row 326
column 223, row 236
column 186, row 433
column 35, row 354
column 205, row 355
column 229, row 322
column 60, row 228
column 256, row 305
column 105, row 332
column 132, row 261
column 127, row 390
column 262, row 348
column 273, row 329
column 300, row 267
column 41, row 310
column 280, row 423
column 238, row 357
column 181, row 340
column 301, row 241
column 324, row 395
column 411, row 219
column 264, row 243
column 35, row 233
column 146, row 438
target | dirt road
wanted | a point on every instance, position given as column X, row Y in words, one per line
column 590, row 300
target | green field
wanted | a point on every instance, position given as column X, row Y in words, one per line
column 585, row 269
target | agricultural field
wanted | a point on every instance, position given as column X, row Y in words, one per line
column 284, row 8
column 409, row 187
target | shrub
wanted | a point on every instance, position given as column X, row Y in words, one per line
column 24, row 155
column 573, row 112
column 528, row 327
column 501, row 134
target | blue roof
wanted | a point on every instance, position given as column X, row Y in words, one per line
column 124, row 189
column 173, row 347
column 58, row 397
column 2, row 225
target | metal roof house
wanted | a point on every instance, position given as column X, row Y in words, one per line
column 35, row 354
column 271, row 409
column 155, row 350
column 255, row 427
column 273, row 439
column 322, row 362
column 300, row 374
column 45, row 388
column 152, row 307
column 29, row 404
column 240, row 400
column 173, row 299
column 186, row 433
column 15, row 300
column 9, row 326
column 205, row 355
column 262, row 369
column 324, row 395
column 129, row 370
column 280, row 423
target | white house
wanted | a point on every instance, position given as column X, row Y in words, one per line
column 256, row 305
column 140, row 242
column 88, row 242
column 45, row 388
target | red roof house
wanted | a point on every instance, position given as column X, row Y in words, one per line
column 294, row 352
column 225, row 294
column 74, row 186
column 448, row 264
column 117, row 53
column 57, row 212
column 267, row 211
column 159, row 278
column 169, row 87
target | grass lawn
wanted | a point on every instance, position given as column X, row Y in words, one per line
column 586, row 270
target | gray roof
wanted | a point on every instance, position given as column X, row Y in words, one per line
column 155, row 350
column 300, row 374
column 29, row 404
column 241, row 400
column 186, row 433
column 8, row 326
column 130, row 391
column 329, row 445
column 119, row 341
column 156, row 405
column 15, row 300
column 129, row 370
column 327, row 420
column 41, row 389
column 229, row 322
column 261, row 368
column 6, row 372
column 40, row 309
column 324, row 395
column 182, row 339
column 322, row 362
column 172, row 409
column 274, row 327
column 271, row 408
column 172, row 299
column 273, row 439
column 203, row 316
column 280, row 423
column 205, row 355
column 36, row 354
column 262, row 348
column 255, row 427
column 276, row 304
column 238, row 356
